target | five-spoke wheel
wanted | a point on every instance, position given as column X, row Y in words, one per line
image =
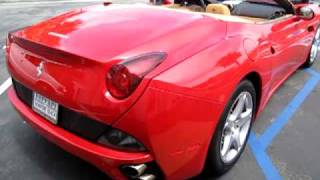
column 233, row 129
column 236, row 127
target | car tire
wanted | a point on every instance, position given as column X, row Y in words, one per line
column 216, row 161
column 313, row 51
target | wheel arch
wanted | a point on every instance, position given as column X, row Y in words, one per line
column 256, row 80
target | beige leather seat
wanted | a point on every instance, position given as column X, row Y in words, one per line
column 218, row 9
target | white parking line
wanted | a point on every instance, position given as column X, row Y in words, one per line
column 5, row 86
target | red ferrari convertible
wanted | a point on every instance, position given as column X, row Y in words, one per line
column 158, row 91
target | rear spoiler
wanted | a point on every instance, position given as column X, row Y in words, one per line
column 49, row 53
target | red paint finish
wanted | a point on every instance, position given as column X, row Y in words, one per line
column 107, row 160
column 176, row 107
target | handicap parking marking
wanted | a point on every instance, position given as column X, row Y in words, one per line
column 263, row 159
column 4, row 86
column 314, row 73
column 260, row 144
column 272, row 131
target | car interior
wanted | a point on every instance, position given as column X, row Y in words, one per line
column 251, row 11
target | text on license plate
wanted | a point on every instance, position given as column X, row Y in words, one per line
column 45, row 107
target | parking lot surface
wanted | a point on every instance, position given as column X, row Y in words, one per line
column 284, row 143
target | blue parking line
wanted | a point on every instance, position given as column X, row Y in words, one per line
column 273, row 130
column 263, row 160
column 313, row 72
column 260, row 144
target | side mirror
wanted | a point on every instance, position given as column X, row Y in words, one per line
column 305, row 13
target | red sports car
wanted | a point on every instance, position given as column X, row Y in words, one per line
column 158, row 91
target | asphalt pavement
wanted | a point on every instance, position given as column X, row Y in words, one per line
column 284, row 143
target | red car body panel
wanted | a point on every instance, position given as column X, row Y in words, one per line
column 175, row 109
column 89, row 27
column 107, row 160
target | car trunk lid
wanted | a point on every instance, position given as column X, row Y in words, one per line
column 78, row 48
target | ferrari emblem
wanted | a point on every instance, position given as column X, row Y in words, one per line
column 40, row 69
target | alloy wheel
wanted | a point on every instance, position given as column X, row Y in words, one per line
column 236, row 127
column 315, row 47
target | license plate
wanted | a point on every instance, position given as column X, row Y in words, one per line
column 45, row 107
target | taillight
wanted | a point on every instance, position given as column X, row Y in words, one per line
column 124, row 78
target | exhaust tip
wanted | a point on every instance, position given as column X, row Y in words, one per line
column 147, row 177
column 134, row 171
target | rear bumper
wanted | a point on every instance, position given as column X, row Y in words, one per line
column 108, row 160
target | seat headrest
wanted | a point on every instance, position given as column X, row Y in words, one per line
column 218, row 9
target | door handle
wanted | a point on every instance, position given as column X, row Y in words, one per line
column 272, row 50
column 310, row 29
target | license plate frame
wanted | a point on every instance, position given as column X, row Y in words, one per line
column 45, row 107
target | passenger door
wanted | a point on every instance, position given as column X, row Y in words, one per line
column 287, row 38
